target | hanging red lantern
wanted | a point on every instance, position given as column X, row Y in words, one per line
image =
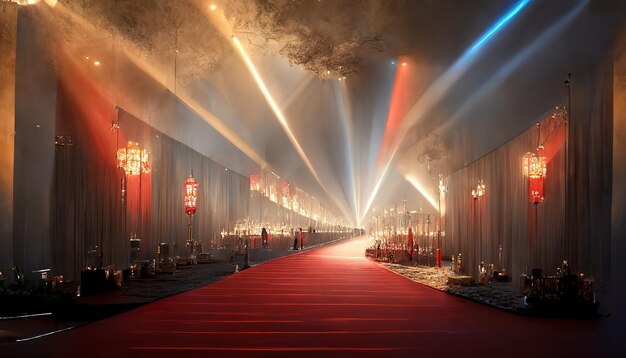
column 535, row 189
column 191, row 195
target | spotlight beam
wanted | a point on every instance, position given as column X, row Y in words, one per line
column 443, row 84
column 383, row 175
column 495, row 28
column 283, row 122
column 505, row 71
column 184, row 98
column 416, row 183
column 347, row 127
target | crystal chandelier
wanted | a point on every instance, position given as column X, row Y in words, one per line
column 133, row 159
column 534, row 166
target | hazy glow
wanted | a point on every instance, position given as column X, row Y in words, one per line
column 377, row 187
column 224, row 27
column 505, row 71
column 422, row 191
column 347, row 120
column 395, row 113
column 443, row 84
column 274, row 106
column 184, row 98
column 26, row 2
column 281, row 119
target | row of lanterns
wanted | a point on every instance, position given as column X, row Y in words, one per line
column 534, row 167
column 134, row 161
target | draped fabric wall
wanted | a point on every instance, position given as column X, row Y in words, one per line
column 90, row 213
column 86, row 210
column 542, row 236
column 590, row 172
column 93, row 221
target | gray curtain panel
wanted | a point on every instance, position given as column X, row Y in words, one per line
column 574, row 221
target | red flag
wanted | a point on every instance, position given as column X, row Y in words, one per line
column 410, row 244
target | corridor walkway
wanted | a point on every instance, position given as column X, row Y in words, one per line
column 325, row 302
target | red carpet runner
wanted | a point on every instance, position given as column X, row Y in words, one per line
column 325, row 302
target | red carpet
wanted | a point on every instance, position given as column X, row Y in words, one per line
column 325, row 302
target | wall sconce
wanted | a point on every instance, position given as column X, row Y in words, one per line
column 479, row 191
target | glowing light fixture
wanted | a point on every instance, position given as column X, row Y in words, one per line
column 479, row 191
column 96, row 63
column 133, row 160
column 534, row 166
column 442, row 185
column 255, row 185
column 212, row 7
column 191, row 195
column 285, row 194
column 26, row 2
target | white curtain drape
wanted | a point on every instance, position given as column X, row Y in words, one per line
column 574, row 221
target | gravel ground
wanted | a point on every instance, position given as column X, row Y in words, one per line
column 503, row 295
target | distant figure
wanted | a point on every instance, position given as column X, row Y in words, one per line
column 301, row 239
column 295, row 240
column 565, row 268
column 264, row 237
column 482, row 273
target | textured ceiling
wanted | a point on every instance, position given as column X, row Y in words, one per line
column 330, row 38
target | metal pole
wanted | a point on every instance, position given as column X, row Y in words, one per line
column 474, row 234
column 500, row 258
column 537, row 235
column 480, row 231
column 428, row 233
column 438, row 255
column 566, row 221
column 190, row 235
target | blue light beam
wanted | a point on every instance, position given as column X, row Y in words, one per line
column 495, row 28
column 439, row 89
